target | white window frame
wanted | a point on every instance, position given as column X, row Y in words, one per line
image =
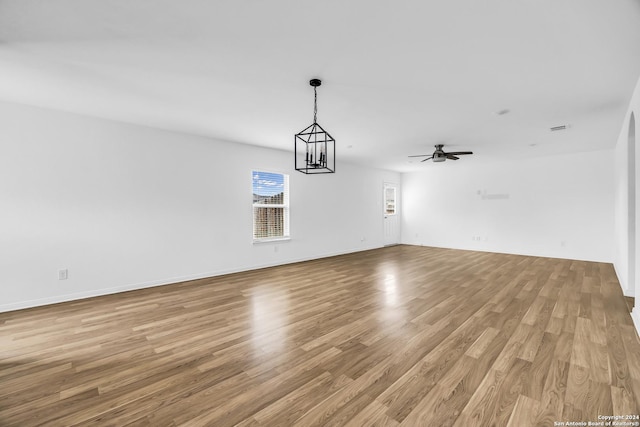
column 285, row 206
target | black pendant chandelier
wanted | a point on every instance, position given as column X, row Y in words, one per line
column 315, row 149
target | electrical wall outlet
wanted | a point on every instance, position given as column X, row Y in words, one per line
column 63, row 274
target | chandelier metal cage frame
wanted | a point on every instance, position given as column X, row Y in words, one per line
column 315, row 148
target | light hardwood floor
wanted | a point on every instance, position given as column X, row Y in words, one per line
column 403, row 335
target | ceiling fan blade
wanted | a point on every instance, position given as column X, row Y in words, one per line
column 460, row 153
column 449, row 156
column 420, row 155
column 428, row 158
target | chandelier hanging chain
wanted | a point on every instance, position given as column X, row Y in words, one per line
column 315, row 105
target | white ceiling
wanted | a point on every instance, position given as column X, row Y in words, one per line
column 398, row 76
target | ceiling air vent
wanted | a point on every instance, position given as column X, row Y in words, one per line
column 557, row 128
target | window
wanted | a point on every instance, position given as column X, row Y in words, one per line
column 389, row 200
column 270, row 206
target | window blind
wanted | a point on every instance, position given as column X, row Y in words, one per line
column 270, row 205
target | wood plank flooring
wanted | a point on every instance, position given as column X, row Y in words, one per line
column 404, row 335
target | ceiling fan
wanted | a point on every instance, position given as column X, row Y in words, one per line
column 440, row 156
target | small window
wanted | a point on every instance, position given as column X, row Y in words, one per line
column 390, row 200
column 270, row 206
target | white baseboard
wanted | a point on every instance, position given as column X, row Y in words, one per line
column 20, row 305
column 624, row 284
column 56, row 299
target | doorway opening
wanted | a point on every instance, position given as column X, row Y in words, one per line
column 632, row 220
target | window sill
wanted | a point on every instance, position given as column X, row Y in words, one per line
column 272, row 240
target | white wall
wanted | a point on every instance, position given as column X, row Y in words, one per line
column 124, row 207
column 559, row 206
column 622, row 259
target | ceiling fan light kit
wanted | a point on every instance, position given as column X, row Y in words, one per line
column 440, row 155
column 315, row 148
